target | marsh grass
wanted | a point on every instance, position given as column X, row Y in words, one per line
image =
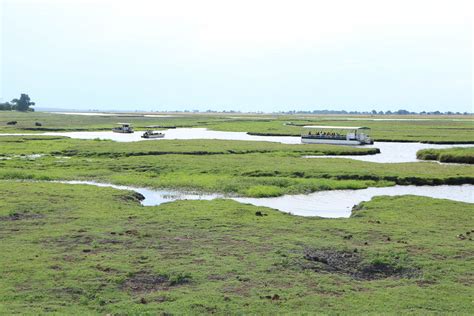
column 451, row 155
column 109, row 149
column 227, row 173
column 443, row 129
column 76, row 249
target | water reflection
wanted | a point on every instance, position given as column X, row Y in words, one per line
column 391, row 152
column 330, row 204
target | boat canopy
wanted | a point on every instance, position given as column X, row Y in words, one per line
column 337, row 127
column 123, row 123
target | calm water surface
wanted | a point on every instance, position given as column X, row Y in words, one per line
column 179, row 133
column 339, row 203
column 330, row 204
column 391, row 152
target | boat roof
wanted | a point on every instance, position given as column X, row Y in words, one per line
column 123, row 124
column 337, row 127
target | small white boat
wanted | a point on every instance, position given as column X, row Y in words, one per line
column 123, row 128
column 337, row 135
column 152, row 134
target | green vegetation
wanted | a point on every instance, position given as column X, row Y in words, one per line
column 75, row 249
column 430, row 131
column 454, row 155
column 78, row 249
column 106, row 148
column 22, row 104
column 247, row 170
column 448, row 129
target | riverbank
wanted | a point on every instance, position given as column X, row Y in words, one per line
column 441, row 131
column 328, row 204
column 253, row 174
column 86, row 250
column 79, row 249
column 449, row 155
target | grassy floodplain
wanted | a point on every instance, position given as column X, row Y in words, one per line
column 77, row 249
column 251, row 169
column 453, row 155
column 430, row 129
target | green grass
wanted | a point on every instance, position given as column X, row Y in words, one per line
column 453, row 155
column 15, row 145
column 72, row 249
column 445, row 129
column 75, row 249
column 439, row 131
column 235, row 167
column 60, row 122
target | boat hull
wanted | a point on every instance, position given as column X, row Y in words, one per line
column 122, row 132
column 153, row 136
column 352, row 142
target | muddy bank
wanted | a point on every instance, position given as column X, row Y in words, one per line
column 356, row 266
column 145, row 282
column 20, row 216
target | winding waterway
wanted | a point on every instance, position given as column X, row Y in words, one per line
column 391, row 152
column 329, row 204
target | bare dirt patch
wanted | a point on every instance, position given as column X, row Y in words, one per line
column 20, row 216
column 354, row 265
column 143, row 282
column 73, row 293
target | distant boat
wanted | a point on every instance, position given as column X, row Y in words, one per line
column 335, row 135
column 152, row 134
column 123, row 128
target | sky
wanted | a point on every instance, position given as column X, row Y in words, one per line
column 258, row 55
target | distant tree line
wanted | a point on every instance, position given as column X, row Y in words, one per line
column 373, row 112
column 23, row 104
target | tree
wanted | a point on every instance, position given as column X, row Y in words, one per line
column 402, row 112
column 5, row 106
column 23, row 104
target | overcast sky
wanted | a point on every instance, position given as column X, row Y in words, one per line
column 242, row 55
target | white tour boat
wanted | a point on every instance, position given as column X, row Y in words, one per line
column 337, row 135
column 123, row 128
